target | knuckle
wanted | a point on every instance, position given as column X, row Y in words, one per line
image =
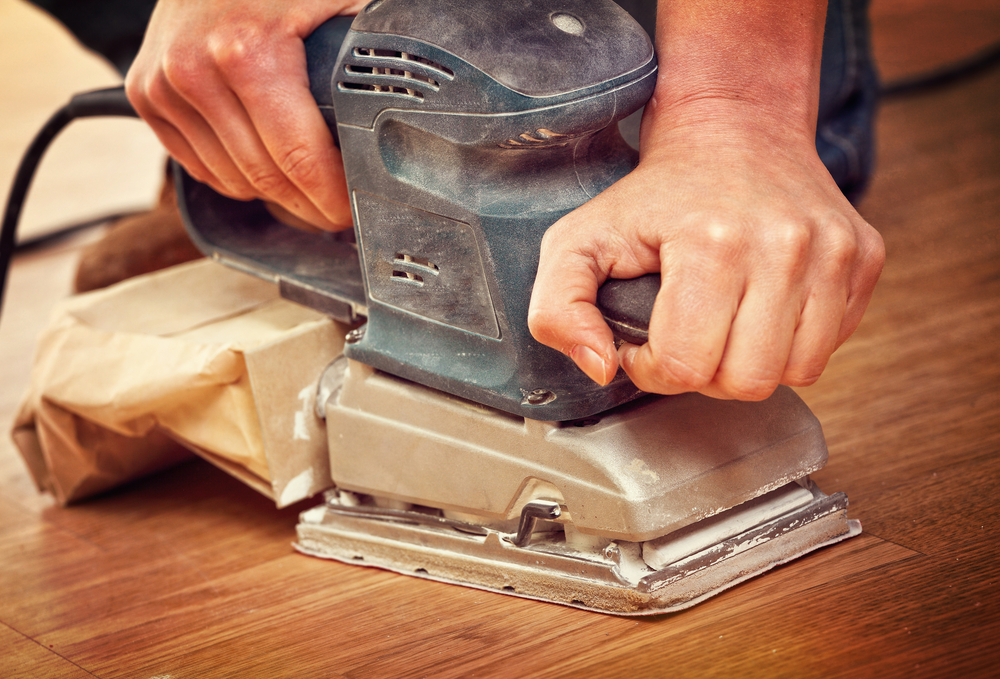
column 806, row 371
column 794, row 239
column 239, row 191
column 840, row 245
column 300, row 163
column 843, row 246
column 801, row 380
column 558, row 234
column 551, row 245
column 723, row 238
column 539, row 317
column 234, row 45
column 268, row 181
column 198, row 173
column 149, row 94
column 803, row 376
column 570, row 231
column 179, row 70
column 135, row 87
column 874, row 249
column 158, row 93
column 544, row 325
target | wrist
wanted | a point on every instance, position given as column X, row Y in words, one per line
column 734, row 66
column 710, row 119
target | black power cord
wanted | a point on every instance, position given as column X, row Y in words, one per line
column 49, row 238
column 106, row 102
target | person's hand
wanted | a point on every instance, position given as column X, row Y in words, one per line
column 766, row 267
column 223, row 85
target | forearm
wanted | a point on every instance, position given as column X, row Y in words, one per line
column 729, row 63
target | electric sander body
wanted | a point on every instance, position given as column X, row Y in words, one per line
column 461, row 147
column 461, row 449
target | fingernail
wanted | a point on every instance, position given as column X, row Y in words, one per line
column 590, row 363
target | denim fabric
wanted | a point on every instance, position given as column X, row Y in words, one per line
column 848, row 86
column 848, row 97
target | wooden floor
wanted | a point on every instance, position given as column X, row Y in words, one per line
column 190, row 574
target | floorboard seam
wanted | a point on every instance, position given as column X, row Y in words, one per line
column 47, row 649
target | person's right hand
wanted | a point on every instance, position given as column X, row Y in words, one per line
column 765, row 266
column 223, row 84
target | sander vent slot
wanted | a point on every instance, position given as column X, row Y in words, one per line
column 391, row 89
column 403, row 56
column 411, row 270
column 407, row 277
column 392, row 72
column 351, row 69
column 541, row 138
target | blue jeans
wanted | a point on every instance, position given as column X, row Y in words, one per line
column 848, row 97
column 848, row 86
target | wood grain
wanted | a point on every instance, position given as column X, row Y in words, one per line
column 190, row 574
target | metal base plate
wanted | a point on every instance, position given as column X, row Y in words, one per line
column 610, row 579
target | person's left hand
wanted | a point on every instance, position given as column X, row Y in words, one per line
column 223, row 84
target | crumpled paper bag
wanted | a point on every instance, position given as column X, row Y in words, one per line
column 123, row 376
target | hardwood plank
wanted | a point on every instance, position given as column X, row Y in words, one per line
column 154, row 539
column 861, row 627
column 406, row 622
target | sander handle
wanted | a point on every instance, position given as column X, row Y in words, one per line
column 322, row 51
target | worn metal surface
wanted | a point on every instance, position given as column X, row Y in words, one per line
column 642, row 470
column 612, row 578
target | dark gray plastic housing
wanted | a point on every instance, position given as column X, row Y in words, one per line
column 467, row 129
